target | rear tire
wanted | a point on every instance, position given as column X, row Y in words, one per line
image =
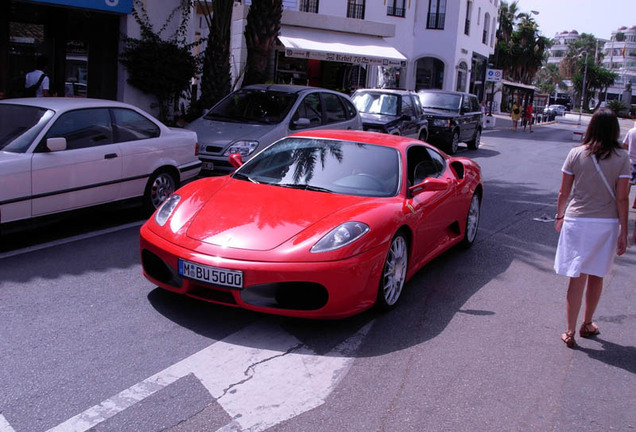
column 472, row 222
column 393, row 273
column 474, row 144
column 423, row 136
column 454, row 144
column 160, row 186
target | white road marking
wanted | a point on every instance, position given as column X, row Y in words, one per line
column 69, row 240
column 4, row 425
column 260, row 375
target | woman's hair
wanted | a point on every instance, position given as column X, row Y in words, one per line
column 601, row 137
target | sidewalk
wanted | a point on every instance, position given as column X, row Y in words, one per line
column 503, row 121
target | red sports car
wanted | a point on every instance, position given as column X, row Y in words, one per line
column 321, row 224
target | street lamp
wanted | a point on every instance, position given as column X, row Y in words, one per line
column 583, row 88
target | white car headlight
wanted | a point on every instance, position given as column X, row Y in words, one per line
column 166, row 209
column 341, row 236
column 244, row 148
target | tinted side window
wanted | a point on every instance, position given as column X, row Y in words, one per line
column 333, row 108
column 438, row 160
column 83, row 128
column 349, row 108
column 475, row 104
column 466, row 105
column 311, row 109
column 407, row 106
column 131, row 126
column 417, row 105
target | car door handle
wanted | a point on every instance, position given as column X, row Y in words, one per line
column 110, row 156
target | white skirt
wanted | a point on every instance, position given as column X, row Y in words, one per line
column 586, row 246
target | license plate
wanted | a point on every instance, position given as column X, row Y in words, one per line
column 207, row 166
column 211, row 275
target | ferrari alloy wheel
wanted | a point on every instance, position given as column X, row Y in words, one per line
column 393, row 273
column 160, row 186
column 454, row 144
column 472, row 221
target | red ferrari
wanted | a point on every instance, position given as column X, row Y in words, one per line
column 321, row 224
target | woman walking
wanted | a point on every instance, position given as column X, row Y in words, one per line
column 593, row 225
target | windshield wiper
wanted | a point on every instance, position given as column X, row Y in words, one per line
column 305, row 187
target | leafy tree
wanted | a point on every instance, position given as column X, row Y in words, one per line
column 162, row 68
column 548, row 79
column 216, row 77
column 521, row 49
column 261, row 31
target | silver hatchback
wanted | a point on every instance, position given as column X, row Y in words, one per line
column 250, row 119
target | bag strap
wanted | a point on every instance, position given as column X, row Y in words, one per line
column 598, row 169
column 39, row 83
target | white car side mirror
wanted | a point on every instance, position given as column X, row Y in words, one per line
column 56, row 144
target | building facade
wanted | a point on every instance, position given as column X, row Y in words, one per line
column 338, row 44
column 620, row 57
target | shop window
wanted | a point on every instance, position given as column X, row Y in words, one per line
column 308, row 6
column 462, row 76
column 436, row 14
column 396, row 8
column 429, row 74
column 469, row 10
column 355, row 9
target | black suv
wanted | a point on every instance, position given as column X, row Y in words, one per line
column 453, row 117
column 396, row 112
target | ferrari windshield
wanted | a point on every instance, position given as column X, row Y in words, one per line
column 253, row 106
column 19, row 125
column 327, row 166
column 444, row 101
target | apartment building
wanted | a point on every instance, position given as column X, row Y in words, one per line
column 620, row 57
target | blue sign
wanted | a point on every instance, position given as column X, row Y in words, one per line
column 116, row 6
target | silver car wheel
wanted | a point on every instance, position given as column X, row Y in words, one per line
column 162, row 186
column 472, row 220
column 394, row 272
column 454, row 143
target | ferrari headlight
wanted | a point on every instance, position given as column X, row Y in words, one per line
column 244, row 148
column 341, row 236
column 166, row 209
column 441, row 122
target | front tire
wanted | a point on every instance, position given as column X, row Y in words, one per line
column 160, row 186
column 472, row 222
column 454, row 144
column 393, row 273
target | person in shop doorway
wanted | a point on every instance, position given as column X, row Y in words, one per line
column 38, row 76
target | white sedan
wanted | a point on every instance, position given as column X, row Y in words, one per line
column 59, row 154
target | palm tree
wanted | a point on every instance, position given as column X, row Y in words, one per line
column 548, row 79
column 261, row 31
column 216, row 76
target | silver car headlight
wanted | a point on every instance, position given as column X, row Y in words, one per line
column 441, row 122
column 165, row 210
column 244, row 148
column 341, row 236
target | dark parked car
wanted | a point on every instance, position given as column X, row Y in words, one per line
column 396, row 112
column 453, row 117
column 248, row 120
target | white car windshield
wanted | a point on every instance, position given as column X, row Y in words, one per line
column 19, row 125
column 323, row 165
column 253, row 106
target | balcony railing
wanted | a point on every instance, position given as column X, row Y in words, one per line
column 355, row 10
column 308, row 6
column 395, row 11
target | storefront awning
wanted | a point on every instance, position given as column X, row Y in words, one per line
column 339, row 47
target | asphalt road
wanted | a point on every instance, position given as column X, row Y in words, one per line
column 87, row 343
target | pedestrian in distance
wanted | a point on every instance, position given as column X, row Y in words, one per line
column 629, row 143
column 515, row 114
column 36, row 82
column 591, row 218
column 527, row 113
